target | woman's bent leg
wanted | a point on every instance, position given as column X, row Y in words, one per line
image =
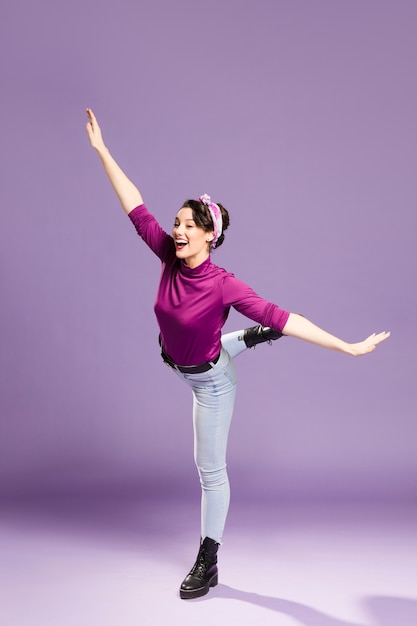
column 240, row 340
column 233, row 342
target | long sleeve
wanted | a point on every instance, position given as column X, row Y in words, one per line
column 245, row 300
column 151, row 232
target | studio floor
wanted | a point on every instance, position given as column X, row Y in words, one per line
column 112, row 561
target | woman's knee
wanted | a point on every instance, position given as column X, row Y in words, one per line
column 213, row 478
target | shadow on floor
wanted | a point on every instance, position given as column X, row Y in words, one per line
column 383, row 610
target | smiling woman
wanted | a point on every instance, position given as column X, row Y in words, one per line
column 195, row 231
column 192, row 243
column 193, row 302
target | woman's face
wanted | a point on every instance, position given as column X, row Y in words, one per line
column 192, row 243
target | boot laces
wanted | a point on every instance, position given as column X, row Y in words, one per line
column 200, row 566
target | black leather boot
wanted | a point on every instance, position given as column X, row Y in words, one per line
column 203, row 574
column 259, row 334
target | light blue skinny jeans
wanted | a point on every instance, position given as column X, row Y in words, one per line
column 214, row 395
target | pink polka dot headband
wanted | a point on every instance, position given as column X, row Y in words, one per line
column 216, row 216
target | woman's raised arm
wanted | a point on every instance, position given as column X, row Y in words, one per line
column 128, row 194
column 300, row 327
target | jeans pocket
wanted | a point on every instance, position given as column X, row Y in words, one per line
column 230, row 373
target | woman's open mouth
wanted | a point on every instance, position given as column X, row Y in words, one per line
column 180, row 244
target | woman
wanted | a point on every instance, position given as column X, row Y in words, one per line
column 193, row 301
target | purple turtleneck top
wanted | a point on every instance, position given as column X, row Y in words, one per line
column 192, row 304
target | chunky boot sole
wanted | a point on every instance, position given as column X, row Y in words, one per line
column 189, row 594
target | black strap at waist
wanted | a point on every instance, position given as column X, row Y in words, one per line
column 187, row 369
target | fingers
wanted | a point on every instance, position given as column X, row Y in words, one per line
column 94, row 130
column 373, row 340
column 381, row 337
column 92, row 127
column 92, row 117
column 377, row 338
column 369, row 344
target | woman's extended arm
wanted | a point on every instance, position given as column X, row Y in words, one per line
column 128, row 194
column 300, row 327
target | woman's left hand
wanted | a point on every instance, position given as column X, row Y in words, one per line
column 367, row 345
column 300, row 327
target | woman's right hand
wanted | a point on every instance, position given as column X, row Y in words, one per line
column 94, row 132
column 128, row 194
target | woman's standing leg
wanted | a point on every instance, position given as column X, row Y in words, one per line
column 212, row 415
column 213, row 401
column 214, row 395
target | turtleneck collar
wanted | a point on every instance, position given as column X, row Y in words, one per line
column 195, row 271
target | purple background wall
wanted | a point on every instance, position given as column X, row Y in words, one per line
column 301, row 118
